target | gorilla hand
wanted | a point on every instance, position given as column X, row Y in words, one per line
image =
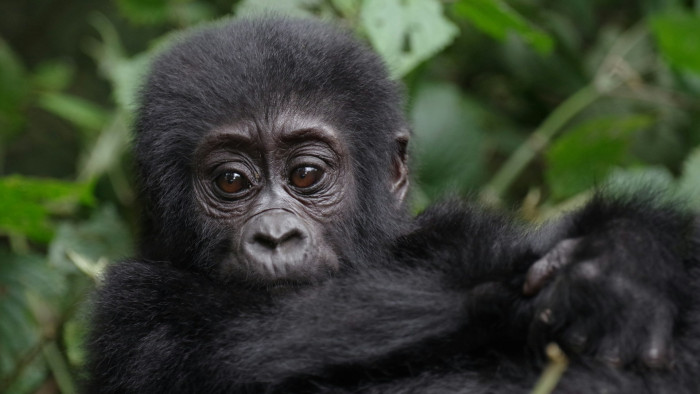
column 611, row 292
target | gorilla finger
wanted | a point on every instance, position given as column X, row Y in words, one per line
column 611, row 356
column 541, row 329
column 587, row 270
column 544, row 269
column 546, row 317
column 575, row 339
column 617, row 350
column 658, row 352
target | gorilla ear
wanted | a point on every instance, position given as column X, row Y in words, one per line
column 399, row 166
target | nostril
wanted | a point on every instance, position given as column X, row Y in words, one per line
column 290, row 236
column 272, row 242
column 265, row 240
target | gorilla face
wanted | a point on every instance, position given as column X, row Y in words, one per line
column 275, row 186
column 270, row 158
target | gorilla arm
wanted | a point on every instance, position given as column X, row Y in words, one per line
column 453, row 289
column 162, row 328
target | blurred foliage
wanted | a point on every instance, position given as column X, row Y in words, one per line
column 525, row 103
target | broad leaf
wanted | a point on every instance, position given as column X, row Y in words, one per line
column 586, row 154
column 497, row 19
column 678, row 37
column 406, row 32
column 76, row 110
column 14, row 89
column 26, row 204
column 448, row 140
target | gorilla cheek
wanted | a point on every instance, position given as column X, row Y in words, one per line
column 279, row 245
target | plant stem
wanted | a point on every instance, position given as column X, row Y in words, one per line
column 536, row 142
column 59, row 367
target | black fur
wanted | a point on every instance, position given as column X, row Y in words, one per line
column 426, row 304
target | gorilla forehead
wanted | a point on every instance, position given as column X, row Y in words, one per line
column 259, row 71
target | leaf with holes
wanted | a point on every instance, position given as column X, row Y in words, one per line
column 406, row 32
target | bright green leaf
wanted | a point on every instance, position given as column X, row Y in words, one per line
column 406, row 32
column 144, row 11
column 26, row 204
column 586, row 154
column 497, row 19
column 678, row 37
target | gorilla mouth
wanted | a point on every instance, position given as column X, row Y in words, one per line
column 278, row 271
column 284, row 286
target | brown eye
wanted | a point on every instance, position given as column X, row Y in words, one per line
column 305, row 176
column 232, row 182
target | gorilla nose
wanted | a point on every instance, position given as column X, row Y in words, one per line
column 276, row 239
column 275, row 236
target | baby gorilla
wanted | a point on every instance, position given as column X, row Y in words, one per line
column 277, row 254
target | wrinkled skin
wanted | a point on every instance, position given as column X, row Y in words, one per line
column 277, row 254
column 286, row 182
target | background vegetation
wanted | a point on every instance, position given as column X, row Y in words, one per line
column 526, row 104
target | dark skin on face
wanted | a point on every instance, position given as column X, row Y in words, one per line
column 276, row 185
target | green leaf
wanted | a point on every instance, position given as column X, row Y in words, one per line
column 497, row 19
column 347, row 8
column 678, row 36
column 144, row 11
column 104, row 236
column 76, row 110
column 14, row 90
column 53, row 75
column 125, row 74
column 689, row 183
column 406, row 32
column 126, row 77
column 26, row 282
column 190, row 13
column 26, row 204
column 107, row 150
column 586, row 154
column 448, row 141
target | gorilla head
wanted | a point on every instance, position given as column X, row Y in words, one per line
column 270, row 156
